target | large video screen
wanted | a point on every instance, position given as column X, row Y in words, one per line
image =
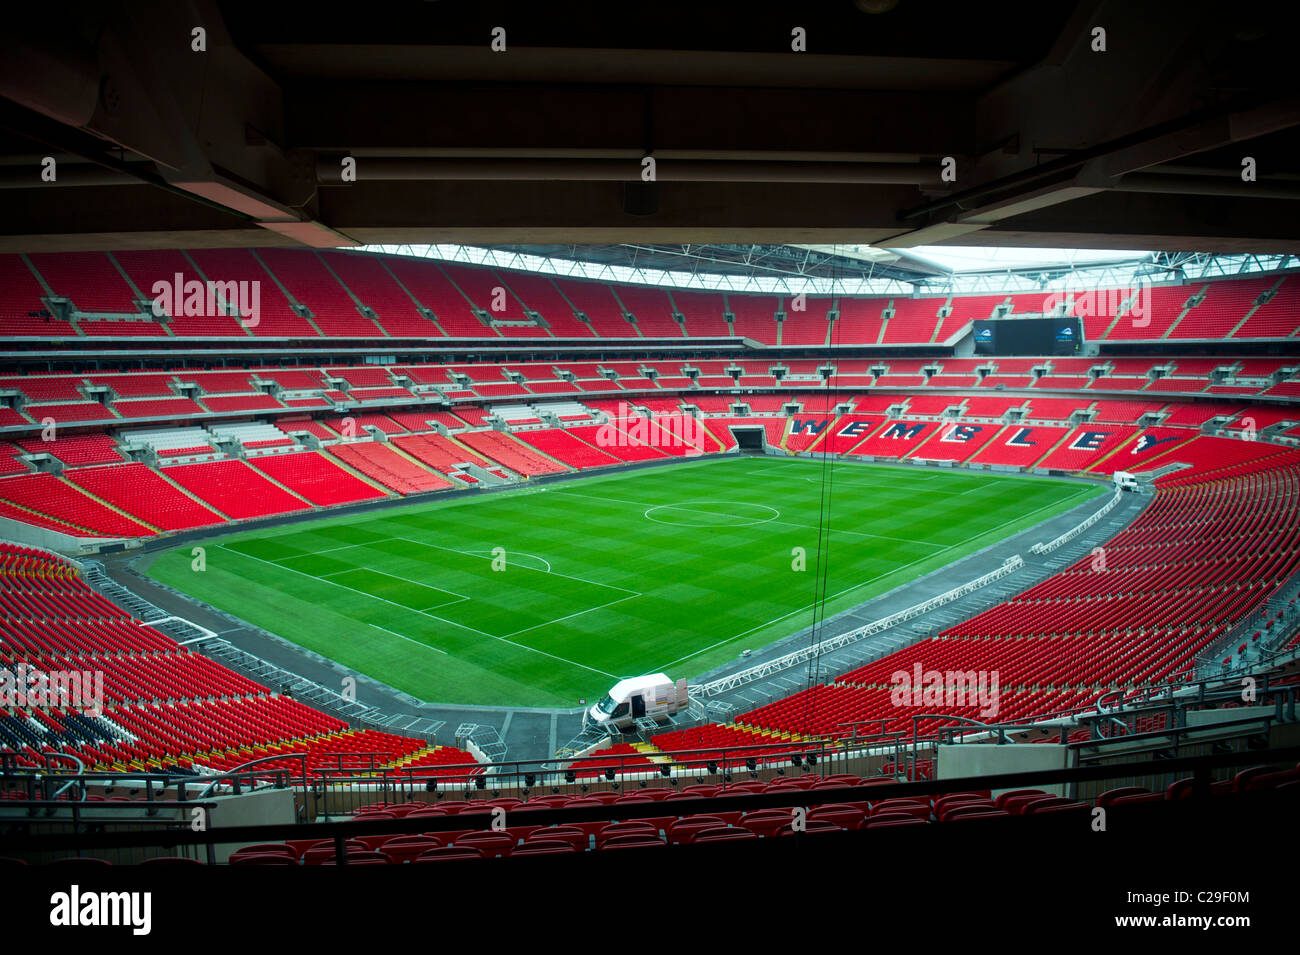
column 1028, row 336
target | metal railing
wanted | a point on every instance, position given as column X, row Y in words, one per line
column 1202, row 770
column 1274, row 637
column 801, row 656
column 342, row 791
column 1072, row 533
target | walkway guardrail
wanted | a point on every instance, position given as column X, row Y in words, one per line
column 1072, row 533
column 798, row 657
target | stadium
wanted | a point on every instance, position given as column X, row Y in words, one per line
column 720, row 499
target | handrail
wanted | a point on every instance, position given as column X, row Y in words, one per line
column 1072, row 533
column 1198, row 766
column 743, row 677
column 243, row 770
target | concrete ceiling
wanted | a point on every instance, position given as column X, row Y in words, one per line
column 1052, row 142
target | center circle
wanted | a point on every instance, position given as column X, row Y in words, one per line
column 712, row 514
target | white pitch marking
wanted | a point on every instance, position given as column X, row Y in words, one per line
column 425, row 613
column 411, row 639
column 859, row 586
column 806, row 527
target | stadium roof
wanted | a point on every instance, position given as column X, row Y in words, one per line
column 851, row 270
column 988, row 125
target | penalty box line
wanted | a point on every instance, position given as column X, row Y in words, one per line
column 425, row 613
column 371, row 570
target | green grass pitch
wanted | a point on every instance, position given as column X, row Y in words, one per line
column 544, row 595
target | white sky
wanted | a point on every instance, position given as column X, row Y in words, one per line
column 981, row 259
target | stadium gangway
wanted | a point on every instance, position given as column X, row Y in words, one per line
column 332, row 701
column 94, row 574
column 1283, row 599
column 1072, row 533
column 181, row 630
column 798, row 657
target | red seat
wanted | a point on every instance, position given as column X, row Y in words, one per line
column 952, row 799
column 1016, row 804
column 362, row 858
column 266, row 848
column 632, row 840
column 263, row 858
column 1015, row 793
column 846, row 817
column 447, row 853
column 966, row 810
column 568, row 834
column 1246, row 775
column 492, row 844
column 408, row 848
column 684, row 831
column 722, row 834
column 326, row 850
column 615, row 829
column 765, row 822
column 1110, row 795
column 920, row 810
column 1137, row 799
column 1054, row 804
column 544, row 847
column 171, row 860
column 976, row 813
column 810, row 826
column 892, row 820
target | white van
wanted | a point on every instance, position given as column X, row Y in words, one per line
column 629, row 700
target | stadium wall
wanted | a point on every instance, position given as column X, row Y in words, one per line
column 31, row 536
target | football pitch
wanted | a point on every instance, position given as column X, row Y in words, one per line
column 541, row 596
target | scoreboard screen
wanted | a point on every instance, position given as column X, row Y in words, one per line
column 1028, row 336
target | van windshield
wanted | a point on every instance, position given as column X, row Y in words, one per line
column 606, row 705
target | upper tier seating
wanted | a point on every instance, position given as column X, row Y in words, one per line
column 332, row 285
column 369, row 279
column 146, row 269
column 275, row 316
column 432, row 289
column 310, row 283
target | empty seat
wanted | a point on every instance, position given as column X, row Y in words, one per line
column 448, row 853
column 567, row 834
column 408, row 848
column 492, row 844
column 723, row 834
